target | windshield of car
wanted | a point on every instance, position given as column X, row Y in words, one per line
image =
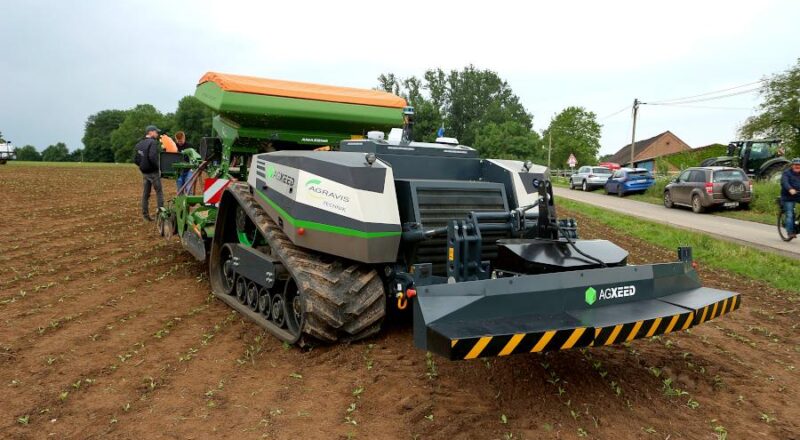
column 601, row 170
column 638, row 174
column 728, row 175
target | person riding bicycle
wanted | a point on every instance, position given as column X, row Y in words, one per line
column 790, row 194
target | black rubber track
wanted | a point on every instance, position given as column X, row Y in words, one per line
column 342, row 300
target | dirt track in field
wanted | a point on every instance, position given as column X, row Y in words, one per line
column 108, row 331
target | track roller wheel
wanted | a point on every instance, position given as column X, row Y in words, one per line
column 241, row 290
column 264, row 303
column 293, row 306
column 228, row 275
column 252, row 296
column 278, row 312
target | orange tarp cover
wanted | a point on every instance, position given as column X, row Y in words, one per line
column 292, row 89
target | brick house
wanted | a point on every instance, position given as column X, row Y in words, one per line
column 647, row 150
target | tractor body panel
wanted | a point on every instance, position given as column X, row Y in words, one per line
column 332, row 202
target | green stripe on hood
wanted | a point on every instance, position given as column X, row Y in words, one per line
column 323, row 227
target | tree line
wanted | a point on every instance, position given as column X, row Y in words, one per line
column 110, row 135
column 481, row 110
column 473, row 105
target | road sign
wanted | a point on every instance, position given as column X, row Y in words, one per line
column 572, row 161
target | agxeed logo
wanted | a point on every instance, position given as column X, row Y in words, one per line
column 280, row 176
column 592, row 295
column 315, row 190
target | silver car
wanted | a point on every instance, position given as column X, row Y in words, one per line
column 588, row 178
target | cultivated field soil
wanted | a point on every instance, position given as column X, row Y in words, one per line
column 109, row 331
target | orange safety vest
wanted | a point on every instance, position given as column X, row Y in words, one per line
column 168, row 144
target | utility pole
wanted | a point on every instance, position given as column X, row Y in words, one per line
column 633, row 133
column 549, row 147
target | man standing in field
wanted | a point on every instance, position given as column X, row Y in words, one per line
column 790, row 194
column 185, row 175
column 146, row 158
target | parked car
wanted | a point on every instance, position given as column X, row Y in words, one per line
column 588, row 178
column 702, row 188
column 629, row 180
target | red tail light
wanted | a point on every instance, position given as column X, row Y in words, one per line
column 751, row 187
column 709, row 188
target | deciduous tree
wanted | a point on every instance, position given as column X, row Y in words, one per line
column 131, row 130
column 779, row 115
column 464, row 102
column 193, row 118
column 55, row 153
column 97, row 135
column 29, row 153
column 575, row 131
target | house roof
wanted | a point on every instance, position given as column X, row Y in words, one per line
column 623, row 155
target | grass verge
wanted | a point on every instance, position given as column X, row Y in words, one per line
column 775, row 270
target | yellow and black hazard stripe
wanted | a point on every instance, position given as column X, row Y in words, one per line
column 642, row 329
column 716, row 310
column 503, row 345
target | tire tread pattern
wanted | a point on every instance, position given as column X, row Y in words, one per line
column 343, row 300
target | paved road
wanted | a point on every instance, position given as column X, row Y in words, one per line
column 753, row 234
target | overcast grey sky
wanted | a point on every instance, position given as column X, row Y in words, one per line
column 62, row 61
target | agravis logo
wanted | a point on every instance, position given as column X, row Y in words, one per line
column 315, row 190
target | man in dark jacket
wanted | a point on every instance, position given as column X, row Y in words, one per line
column 147, row 159
column 790, row 194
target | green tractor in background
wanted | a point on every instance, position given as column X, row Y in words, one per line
column 256, row 115
column 762, row 159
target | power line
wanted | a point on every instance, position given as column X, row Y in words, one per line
column 615, row 113
column 712, row 93
column 703, row 106
column 709, row 98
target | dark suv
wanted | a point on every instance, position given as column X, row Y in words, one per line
column 702, row 188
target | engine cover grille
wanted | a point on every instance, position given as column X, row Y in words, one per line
column 437, row 204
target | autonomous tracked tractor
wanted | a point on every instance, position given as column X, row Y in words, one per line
column 318, row 246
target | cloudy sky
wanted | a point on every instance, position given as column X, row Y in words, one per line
column 62, row 61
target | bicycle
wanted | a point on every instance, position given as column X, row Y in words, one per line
column 782, row 221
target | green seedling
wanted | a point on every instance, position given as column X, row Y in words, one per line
column 766, row 418
column 432, row 372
